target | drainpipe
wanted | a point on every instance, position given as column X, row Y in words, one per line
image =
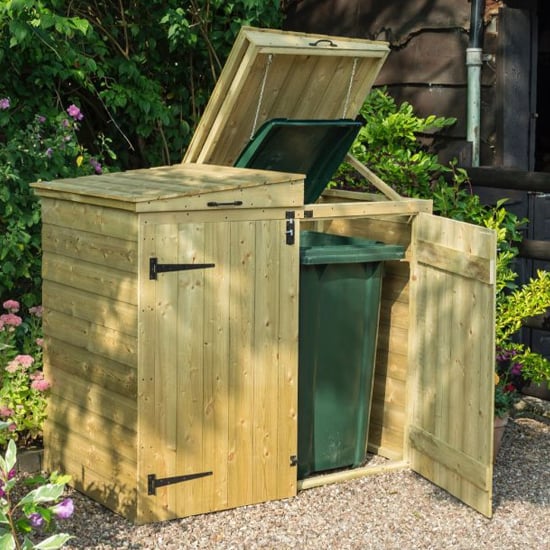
column 474, row 55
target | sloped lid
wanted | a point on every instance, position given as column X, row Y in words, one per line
column 276, row 74
column 312, row 147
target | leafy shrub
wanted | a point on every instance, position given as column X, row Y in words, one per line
column 142, row 70
column 390, row 144
column 44, row 149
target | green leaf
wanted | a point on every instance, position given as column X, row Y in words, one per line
column 7, row 542
column 53, row 542
column 11, row 455
column 46, row 493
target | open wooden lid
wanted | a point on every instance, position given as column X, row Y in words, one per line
column 278, row 74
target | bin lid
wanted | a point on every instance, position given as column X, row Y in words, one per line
column 312, row 147
column 281, row 74
column 324, row 248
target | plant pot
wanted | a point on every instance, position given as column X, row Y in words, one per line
column 499, row 427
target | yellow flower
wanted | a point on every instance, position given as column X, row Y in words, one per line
column 79, row 160
column 497, row 378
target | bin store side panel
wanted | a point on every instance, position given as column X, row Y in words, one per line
column 90, row 355
column 389, row 403
column 218, row 367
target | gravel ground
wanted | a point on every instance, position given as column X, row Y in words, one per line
column 394, row 510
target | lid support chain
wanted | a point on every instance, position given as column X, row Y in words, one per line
column 350, row 86
column 261, row 97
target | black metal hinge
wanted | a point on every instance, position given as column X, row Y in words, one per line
column 153, row 482
column 290, row 227
column 293, row 460
column 155, row 267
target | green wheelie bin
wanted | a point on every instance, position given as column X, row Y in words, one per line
column 340, row 288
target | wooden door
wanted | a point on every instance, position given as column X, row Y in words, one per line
column 452, row 347
column 219, row 363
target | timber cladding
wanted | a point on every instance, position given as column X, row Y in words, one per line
column 90, row 266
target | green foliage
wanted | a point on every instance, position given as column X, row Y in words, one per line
column 46, row 148
column 143, row 71
column 25, row 518
column 391, row 144
column 388, row 143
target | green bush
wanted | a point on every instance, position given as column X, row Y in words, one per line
column 391, row 144
column 44, row 149
column 143, row 71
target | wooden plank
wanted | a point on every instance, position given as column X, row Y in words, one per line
column 100, row 249
column 94, row 338
column 192, row 456
column 287, row 416
column 347, row 475
column 391, row 363
column 147, row 508
column 372, row 178
column 104, row 476
column 101, row 401
column 361, row 210
column 90, row 218
column 286, row 194
column 462, row 464
column 166, row 369
column 95, row 369
column 266, row 378
column 516, row 77
column 90, row 307
column 217, row 294
column 456, row 261
column 396, row 230
column 242, row 364
column 98, row 279
column 96, row 431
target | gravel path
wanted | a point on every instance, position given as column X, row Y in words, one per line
column 391, row 511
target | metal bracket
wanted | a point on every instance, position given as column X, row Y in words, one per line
column 294, row 460
column 153, row 482
column 290, row 228
column 155, row 267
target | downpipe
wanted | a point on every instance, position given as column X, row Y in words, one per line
column 474, row 61
column 474, row 58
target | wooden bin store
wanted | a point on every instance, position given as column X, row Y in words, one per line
column 171, row 309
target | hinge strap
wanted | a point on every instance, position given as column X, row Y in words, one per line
column 153, row 482
column 155, row 267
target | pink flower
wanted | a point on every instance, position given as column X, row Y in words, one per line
column 12, row 366
column 39, row 342
column 10, row 319
column 5, row 411
column 12, row 427
column 25, row 360
column 74, row 112
column 36, row 310
column 40, row 384
column 11, row 305
column 4, row 103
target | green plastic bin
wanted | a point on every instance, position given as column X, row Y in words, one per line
column 340, row 287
